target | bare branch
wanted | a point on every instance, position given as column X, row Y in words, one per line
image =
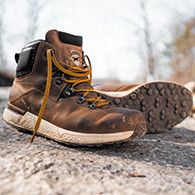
column 33, row 14
column 2, row 55
column 151, row 62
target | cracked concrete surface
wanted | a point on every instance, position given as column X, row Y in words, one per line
column 165, row 163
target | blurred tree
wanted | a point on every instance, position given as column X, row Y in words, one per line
column 146, row 46
column 34, row 8
column 149, row 59
column 182, row 52
column 2, row 56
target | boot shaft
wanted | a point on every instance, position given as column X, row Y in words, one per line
column 67, row 47
column 31, row 69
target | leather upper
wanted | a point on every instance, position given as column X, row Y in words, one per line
column 27, row 93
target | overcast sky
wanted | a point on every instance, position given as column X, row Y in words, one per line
column 111, row 29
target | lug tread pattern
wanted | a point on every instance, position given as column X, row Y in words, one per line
column 163, row 104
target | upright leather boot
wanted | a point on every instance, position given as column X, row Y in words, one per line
column 52, row 96
column 164, row 104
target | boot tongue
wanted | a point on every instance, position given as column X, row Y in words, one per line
column 68, row 48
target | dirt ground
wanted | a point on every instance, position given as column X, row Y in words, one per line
column 156, row 164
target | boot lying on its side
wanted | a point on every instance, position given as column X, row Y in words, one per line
column 52, row 96
column 164, row 104
column 191, row 87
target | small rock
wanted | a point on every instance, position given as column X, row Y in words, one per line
column 178, row 136
column 135, row 174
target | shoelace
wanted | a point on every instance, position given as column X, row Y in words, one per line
column 83, row 75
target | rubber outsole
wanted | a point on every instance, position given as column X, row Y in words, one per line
column 51, row 131
column 164, row 104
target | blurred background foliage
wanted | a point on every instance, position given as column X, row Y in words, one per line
column 128, row 40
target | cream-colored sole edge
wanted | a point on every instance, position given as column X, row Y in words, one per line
column 56, row 133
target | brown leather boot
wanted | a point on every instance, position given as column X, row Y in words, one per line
column 191, row 87
column 164, row 104
column 52, row 96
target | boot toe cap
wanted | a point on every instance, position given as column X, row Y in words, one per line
column 122, row 120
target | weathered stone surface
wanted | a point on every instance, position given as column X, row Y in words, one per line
column 163, row 163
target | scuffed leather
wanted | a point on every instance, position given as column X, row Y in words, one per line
column 27, row 93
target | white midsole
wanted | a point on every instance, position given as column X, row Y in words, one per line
column 52, row 131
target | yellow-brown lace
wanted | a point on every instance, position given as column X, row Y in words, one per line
column 82, row 75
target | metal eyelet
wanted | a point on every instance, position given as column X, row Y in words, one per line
column 107, row 106
column 92, row 106
column 80, row 100
column 58, row 81
column 69, row 91
column 45, row 52
column 53, row 52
